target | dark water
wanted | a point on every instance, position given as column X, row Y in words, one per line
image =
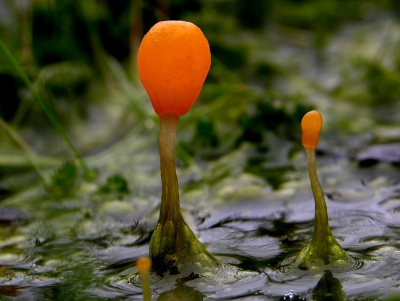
column 84, row 247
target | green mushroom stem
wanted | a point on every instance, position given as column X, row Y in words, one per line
column 170, row 209
column 323, row 248
column 173, row 244
column 322, row 230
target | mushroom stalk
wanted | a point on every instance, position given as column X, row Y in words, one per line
column 322, row 230
column 170, row 209
column 173, row 245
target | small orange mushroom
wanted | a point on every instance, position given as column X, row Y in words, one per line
column 144, row 265
column 311, row 125
column 173, row 61
column 323, row 246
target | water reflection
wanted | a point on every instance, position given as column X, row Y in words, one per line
column 181, row 293
column 328, row 288
column 9, row 290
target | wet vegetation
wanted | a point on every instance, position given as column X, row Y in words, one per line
column 80, row 187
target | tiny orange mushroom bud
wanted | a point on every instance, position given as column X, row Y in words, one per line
column 173, row 61
column 143, row 264
column 311, row 125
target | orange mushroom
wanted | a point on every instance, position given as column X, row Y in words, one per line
column 173, row 62
column 323, row 246
column 311, row 125
column 144, row 265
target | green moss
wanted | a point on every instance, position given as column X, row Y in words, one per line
column 383, row 83
column 267, row 116
column 205, row 140
column 116, row 184
column 64, row 179
column 274, row 176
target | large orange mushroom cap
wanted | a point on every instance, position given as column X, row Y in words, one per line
column 311, row 125
column 173, row 61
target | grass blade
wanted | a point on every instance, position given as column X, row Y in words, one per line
column 49, row 114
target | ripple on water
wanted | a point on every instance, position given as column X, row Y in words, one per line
column 292, row 296
column 298, row 282
column 391, row 207
column 363, row 228
column 380, row 274
column 351, row 195
column 288, row 271
column 225, row 282
column 371, row 275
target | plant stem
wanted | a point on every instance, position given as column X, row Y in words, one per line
column 31, row 155
column 49, row 114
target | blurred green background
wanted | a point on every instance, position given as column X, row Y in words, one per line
column 272, row 61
